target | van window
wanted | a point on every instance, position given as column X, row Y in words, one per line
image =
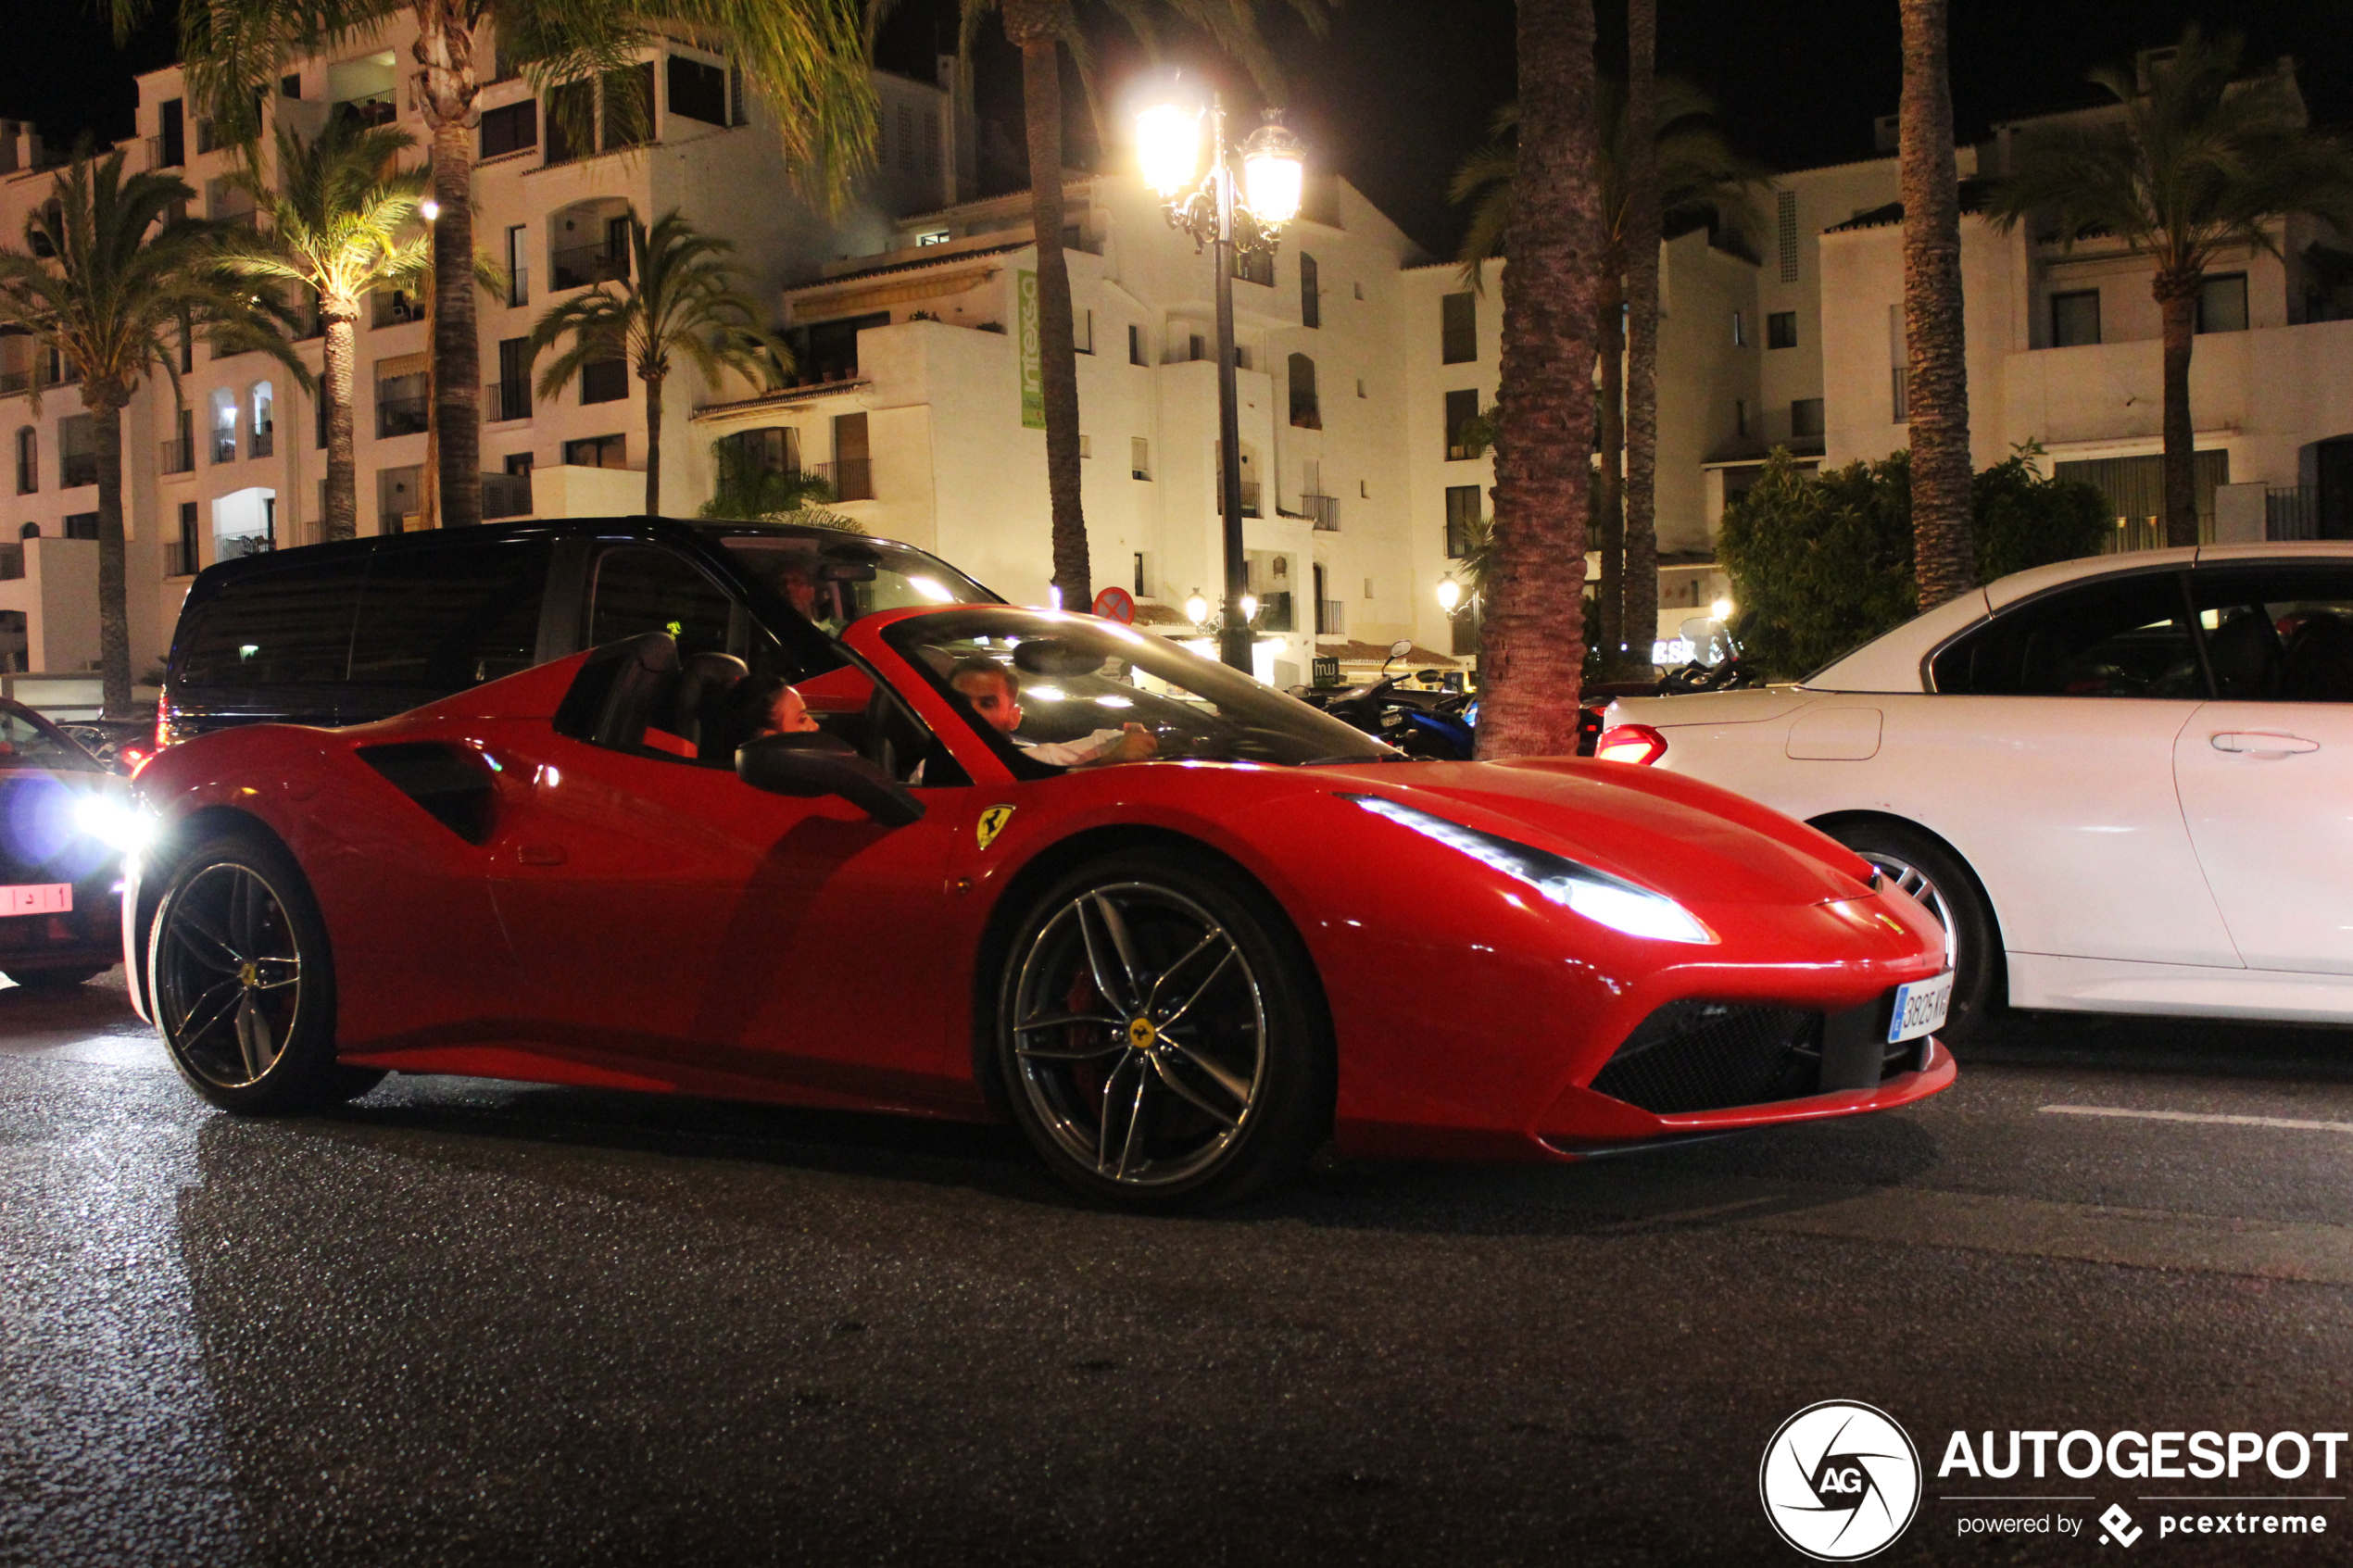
column 640, row 588
column 446, row 618
column 287, row 627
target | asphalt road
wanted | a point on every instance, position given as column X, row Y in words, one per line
column 465, row 1323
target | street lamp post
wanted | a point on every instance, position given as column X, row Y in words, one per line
column 1168, row 140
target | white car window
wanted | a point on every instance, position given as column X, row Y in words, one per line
column 2278, row 634
column 2121, row 636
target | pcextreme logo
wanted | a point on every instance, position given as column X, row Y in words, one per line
column 1840, row 1481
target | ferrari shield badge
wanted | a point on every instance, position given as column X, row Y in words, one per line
column 992, row 823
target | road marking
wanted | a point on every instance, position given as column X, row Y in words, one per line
column 2290, row 1123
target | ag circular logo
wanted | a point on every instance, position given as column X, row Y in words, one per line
column 1840, row 1480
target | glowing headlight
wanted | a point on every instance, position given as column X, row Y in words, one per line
column 1598, row 896
column 114, row 823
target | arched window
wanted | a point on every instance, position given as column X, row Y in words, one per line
column 28, row 460
column 224, row 425
column 1305, row 411
column 264, row 424
column 1311, row 309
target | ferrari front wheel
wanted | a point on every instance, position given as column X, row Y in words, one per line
column 244, row 990
column 1160, row 1038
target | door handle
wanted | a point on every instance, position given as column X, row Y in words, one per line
column 540, row 854
column 2256, row 742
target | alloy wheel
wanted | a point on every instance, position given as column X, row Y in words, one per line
column 228, row 975
column 1908, row 878
column 1139, row 1031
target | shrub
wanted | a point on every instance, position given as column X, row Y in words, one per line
column 1822, row 562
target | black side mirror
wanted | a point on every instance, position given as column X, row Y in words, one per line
column 808, row 765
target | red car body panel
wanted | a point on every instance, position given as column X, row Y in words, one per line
column 639, row 923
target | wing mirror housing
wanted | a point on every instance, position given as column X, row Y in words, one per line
column 806, row 766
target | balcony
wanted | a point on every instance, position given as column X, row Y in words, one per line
column 581, row 264
column 14, row 382
column 401, row 416
column 1322, row 510
column 394, row 307
column 224, row 446
column 265, row 441
column 177, row 457
column 1331, row 618
column 371, row 111
column 179, row 558
column 853, row 478
column 503, row 400
column 79, row 468
column 506, row 494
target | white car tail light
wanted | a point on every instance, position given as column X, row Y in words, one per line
column 1638, row 744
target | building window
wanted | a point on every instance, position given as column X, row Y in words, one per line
column 853, row 463
column 511, row 397
column 1785, row 223
column 1462, row 412
column 1462, row 516
column 1458, row 329
column 78, row 450
column 1739, row 417
column 1781, row 330
column 1138, row 589
column 398, row 493
column 1900, row 380
column 1139, row 458
column 181, row 559
column 172, row 125
column 1305, row 411
column 1082, row 332
column 1255, row 267
column 265, row 420
column 1196, row 348
column 28, row 460
column 1805, row 418
column 2221, row 303
column 517, row 266
column 1739, row 331
column 2075, row 319
column 629, row 106
column 1136, row 345
column 511, row 128
column 597, row 452
column 1311, row 301
column 697, row 91
column 82, row 525
column 401, row 405
column 571, row 122
column 604, row 380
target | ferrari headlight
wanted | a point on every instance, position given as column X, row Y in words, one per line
column 116, row 823
column 1597, row 896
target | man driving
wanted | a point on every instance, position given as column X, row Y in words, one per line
column 994, row 691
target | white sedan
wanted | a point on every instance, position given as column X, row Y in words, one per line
column 2124, row 785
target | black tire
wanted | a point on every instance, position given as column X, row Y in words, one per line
column 243, row 983
column 56, row 979
column 1912, row 860
column 1232, row 1070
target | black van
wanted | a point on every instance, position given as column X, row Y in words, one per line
column 363, row 629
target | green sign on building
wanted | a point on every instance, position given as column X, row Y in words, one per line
column 1033, row 372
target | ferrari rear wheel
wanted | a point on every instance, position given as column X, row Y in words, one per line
column 1936, row 878
column 1160, row 1039
column 243, row 987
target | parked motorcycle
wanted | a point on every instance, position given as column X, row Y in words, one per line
column 1717, row 665
column 1430, row 725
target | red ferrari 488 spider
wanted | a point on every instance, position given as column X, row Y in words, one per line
column 1178, row 927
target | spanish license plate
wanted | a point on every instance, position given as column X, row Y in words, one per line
column 37, row 898
column 1919, row 1009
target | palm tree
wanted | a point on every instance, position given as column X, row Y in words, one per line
column 679, row 299
column 1945, row 557
column 2195, row 161
column 805, row 59
column 342, row 222
column 1697, row 178
column 110, row 283
column 1533, row 653
column 1042, row 30
column 1639, row 617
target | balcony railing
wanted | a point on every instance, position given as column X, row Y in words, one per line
column 394, row 309
column 2292, row 513
column 401, row 416
column 1324, row 511
column 80, row 468
column 1249, row 498
column 581, row 264
column 1332, row 617
column 853, row 478
column 369, row 111
column 264, row 441
column 180, row 557
column 14, row 382
column 506, row 494
column 178, row 456
column 504, row 400
column 224, row 446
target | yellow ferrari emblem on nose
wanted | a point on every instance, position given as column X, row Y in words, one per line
column 992, row 823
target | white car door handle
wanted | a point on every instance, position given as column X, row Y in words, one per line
column 2255, row 743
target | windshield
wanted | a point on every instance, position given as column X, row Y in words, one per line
column 834, row 581
column 30, row 741
column 1070, row 686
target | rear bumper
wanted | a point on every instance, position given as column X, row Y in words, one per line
column 90, row 935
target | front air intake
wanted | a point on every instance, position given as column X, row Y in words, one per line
column 1710, row 1056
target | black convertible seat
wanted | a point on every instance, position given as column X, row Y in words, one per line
column 2319, row 666
column 619, row 691
column 701, row 710
column 2245, row 653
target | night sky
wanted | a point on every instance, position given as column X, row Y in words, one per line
column 1402, row 89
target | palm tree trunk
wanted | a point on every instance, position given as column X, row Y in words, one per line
column 1640, row 596
column 1028, row 25
column 2177, row 300
column 445, row 47
column 335, row 385
column 1610, row 485
column 114, row 611
column 1534, row 654
column 1943, row 548
column 653, row 446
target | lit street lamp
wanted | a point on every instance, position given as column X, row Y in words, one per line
column 1450, row 595
column 1233, row 223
